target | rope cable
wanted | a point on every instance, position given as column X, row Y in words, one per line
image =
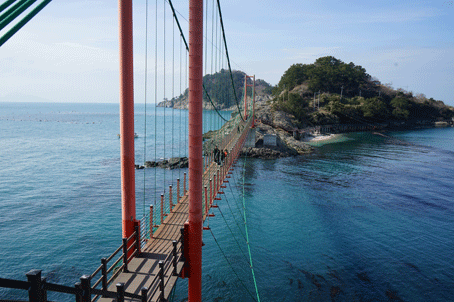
column 216, row 47
column 186, row 124
column 236, row 222
column 246, row 231
column 179, row 132
column 164, row 88
column 6, row 4
column 233, row 235
column 184, row 18
column 145, row 110
column 230, row 264
column 155, row 107
column 187, row 49
column 212, row 36
column 228, row 59
column 173, row 90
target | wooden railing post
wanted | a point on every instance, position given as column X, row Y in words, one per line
column 125, row 255
column 174, row 242
column 104, row 273
column 161, row 279
column 137, row 230
column 182, row 244
column 35, row 292
column 78, row 293
column 143, row 293
column 86, row 287
column 120, row 292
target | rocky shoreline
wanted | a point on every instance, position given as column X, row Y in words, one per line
column 277, row 135
column 172, row 163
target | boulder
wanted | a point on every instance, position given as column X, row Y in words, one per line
column 283, row 120
column 150, row 164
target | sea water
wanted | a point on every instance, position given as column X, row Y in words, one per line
column 366, row 218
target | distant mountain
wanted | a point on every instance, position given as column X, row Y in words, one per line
column 221, row 92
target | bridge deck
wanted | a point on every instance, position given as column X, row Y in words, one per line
column 144, row 268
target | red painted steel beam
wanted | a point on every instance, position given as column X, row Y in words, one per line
column 195, row 149
column 128, row 195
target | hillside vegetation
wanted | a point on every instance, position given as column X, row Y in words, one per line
column 346, row 93
column 221, row 92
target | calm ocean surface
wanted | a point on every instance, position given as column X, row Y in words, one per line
column 367, row 218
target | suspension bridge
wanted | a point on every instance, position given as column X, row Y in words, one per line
column 166, row 243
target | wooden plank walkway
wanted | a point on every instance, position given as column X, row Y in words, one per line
column 144, row 268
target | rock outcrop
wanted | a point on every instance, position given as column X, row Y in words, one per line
column 172, row 163
column 276, row 124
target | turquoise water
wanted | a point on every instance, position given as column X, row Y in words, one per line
column 364, row 219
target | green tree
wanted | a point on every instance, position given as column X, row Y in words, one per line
column 294, row 104
column 374, row 108
column 401, row 108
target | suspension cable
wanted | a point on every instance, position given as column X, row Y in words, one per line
column 173, row 91
column 187, row 49
column 164, row 88
column 247, row 235
column 230, row 264
column 145, row 113
column 228, row 59
column 156, row 102
column 234, row 218
column 179, row 132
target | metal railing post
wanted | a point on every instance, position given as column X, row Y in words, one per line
column 86, row 287
column 170, row 199
column 211, row 191
column 178, row 190
column 174, row 242
column 161, row 279
column 219, row 181
column 162, row 207
column 120, row 292
column 125, row 255
column 206, row 200
column 104, row 273
column 214, row 185
column 151, row 221
column 184, row 184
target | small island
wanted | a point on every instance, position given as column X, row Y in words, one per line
column 316, row 101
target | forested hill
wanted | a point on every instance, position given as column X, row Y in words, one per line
column 346, row 93
column 220, row 90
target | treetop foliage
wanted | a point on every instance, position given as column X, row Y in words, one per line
column 346, row 93
column 221, row 92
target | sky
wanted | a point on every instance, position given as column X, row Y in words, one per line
column 69, row 51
